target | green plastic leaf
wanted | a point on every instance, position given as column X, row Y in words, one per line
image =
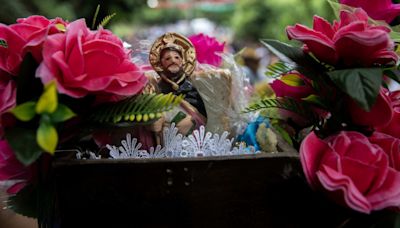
column 314, row 99
column 105, row 20
column 23, row 143
column 283, row 51
column 270, row 107
column 47, row 137
column 294, row 56
column 24, row 202
column 285, row 135
column 25, row 111
column 279, row 68
column 61, row 27
column 292, row 80
column 3, row 43
column 393, row 74
column 62, row 114
column 361, row 84
column 48, row 100
column 138, row 108
column 96, row 13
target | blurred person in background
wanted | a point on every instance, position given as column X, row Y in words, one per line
column 251, row 65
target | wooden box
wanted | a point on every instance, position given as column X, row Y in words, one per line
column 264, row 190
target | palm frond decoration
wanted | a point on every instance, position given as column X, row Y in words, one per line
column 270, row 107
column 277, row 69
column 141, row 108
column 95, row 16
column 105, row 20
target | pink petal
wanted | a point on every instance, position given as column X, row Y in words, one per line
column 389, row 193
column 323, row 26
column 381, row 112
column 343, row 189
column 312, row 150
column 317, row 43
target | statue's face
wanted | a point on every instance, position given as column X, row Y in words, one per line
column 171, row 61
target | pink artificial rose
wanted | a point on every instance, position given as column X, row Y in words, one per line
column 393, row 127
column 376, row 9
column 381, row 112
column 34, row 30
column 207, row 48
column 12, row 169
column 86, row 62
column 294, row 85
column 360, row 172
column 7, row 93
column 336, row 44
column 11, row 50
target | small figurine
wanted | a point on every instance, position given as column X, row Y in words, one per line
column 173, row 57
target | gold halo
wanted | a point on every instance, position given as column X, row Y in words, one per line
column 173, row 39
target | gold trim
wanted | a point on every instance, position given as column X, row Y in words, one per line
column 179, row 42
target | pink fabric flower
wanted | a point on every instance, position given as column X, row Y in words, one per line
column 360, row 172
column 381, row 112
column 34, row 30
column 393, row 127
column 7, row 93
column 206, row 49
column 376, row 9
column 336, row 44
column 12, row 169
column 89, row 62
column 293, row 85
column 11, row 50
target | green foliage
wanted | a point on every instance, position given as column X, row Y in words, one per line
column 46, row 136
column 143, row 107
column 271, row 105
column 277, row 69
column 25, row 202
column 61, row 114
column 106, row 20
column 55, row 8
column 361, row 84
column 393, row 74
column 48, row 101
column 96, row 13
column 23, row 143
column 149, row 16
column 25, row 111
column 256, row 19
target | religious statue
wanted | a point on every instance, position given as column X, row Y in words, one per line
column 213, row 96
column 173, row 58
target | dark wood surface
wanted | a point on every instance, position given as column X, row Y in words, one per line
column 265, row 190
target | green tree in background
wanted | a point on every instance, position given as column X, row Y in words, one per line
column 257, row 19
column 69, row 9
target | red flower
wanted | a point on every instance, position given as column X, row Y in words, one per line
column 393, row 127
column 7, row 93
column 336, row 44
column 360, row 172
column 11, row 50
column 12, row 169
column 293, row 85
column 376, row 9
column 381, row 112
column 89, row 62
column 206, row 49
column 34, row 30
